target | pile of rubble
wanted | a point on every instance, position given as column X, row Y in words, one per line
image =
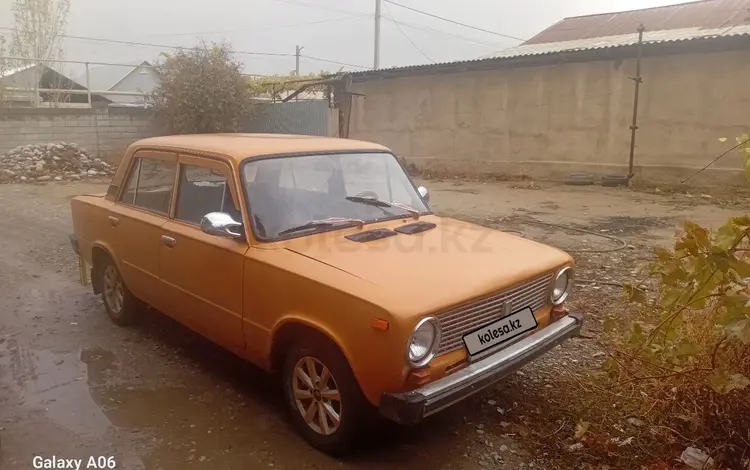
column 51, row 162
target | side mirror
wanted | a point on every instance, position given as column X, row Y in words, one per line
column 221, row 224
column 424, row 193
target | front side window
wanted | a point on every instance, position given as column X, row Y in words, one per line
column 150, row 184
column 299, row 195
column 203, row 190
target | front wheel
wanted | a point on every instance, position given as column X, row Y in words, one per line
column 323, row 397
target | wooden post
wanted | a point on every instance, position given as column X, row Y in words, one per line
column 638, row 80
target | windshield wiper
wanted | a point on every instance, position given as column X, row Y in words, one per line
column 329, row 222
column 380, row 203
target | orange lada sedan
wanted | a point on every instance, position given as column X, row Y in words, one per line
column 319, row 260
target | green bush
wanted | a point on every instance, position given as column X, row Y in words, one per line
column 201, row 90
column 682, row 361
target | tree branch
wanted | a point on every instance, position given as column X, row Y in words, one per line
column 664, row 376
column 716, row 349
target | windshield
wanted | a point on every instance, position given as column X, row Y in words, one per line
column 304, row 194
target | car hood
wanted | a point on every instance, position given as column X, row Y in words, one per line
column 424, row 272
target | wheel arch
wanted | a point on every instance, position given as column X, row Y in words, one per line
column 99, row 253
column 292, row 329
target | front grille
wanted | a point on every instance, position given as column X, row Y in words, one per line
column 463, row 319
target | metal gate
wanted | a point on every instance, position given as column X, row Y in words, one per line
column 313, row 117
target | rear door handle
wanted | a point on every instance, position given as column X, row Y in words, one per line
column 169, row 241
column 113, row 221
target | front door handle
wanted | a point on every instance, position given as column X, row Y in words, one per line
column 113, row 221
column 169, row 241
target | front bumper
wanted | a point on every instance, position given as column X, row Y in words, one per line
column 411, row 407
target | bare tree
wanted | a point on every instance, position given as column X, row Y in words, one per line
column 62, row 86
column 38, row 29
column 3, row 69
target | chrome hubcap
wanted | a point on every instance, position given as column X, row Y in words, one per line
column 316, row 395
column 113, row 289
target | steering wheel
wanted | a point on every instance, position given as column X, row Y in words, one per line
column 371, row 194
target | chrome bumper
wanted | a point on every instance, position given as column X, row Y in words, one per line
column 411, row 407
column 83, row 276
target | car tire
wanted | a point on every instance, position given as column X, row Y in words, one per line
column 122, row 307
column 615, row 180
column 301, row 400
column 579, row 179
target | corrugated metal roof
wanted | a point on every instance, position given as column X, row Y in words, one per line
column 649, row 37
column 706, row 14
column 609, row 42
column 104, row 77
column 13, row 71
column 144, row 63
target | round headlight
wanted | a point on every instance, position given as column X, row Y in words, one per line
column 562, row 286
column 422, row 342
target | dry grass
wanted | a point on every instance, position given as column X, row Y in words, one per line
column 641, row 415
column 681, row 398
column 665, row 407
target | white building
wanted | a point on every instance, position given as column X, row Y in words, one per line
column 137, row 78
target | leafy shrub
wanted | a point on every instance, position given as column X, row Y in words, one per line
column 682, row 361
column 201, row 90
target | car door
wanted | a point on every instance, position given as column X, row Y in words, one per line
column 202, row 273
column 136, row 219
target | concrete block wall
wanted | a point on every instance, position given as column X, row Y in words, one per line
column 553, row 120
column 104, row 132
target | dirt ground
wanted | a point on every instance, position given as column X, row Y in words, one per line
column 156, row 396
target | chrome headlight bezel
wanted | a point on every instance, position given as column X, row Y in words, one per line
column 570, row 281
column 424, row 360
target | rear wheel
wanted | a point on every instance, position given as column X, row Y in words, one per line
column 323, row 397
column 120, row 304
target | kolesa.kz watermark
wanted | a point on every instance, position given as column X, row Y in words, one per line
column 100, row 462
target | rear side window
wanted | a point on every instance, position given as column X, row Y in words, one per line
column 203, row 190
column 150, row 184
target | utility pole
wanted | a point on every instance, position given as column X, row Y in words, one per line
column 88, row 85
column 638, row 80
column 297, row 56
column 378, row 4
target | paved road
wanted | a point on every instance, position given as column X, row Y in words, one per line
column 156, row 396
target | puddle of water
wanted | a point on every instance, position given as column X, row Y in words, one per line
column 57, row 387
column 194, row 419
column 170, row 426
column 56, row 384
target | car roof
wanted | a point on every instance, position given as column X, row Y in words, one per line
column 241, row 146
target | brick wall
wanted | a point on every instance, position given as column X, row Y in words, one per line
column 104, row 132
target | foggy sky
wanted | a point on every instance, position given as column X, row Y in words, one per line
column 265, row 28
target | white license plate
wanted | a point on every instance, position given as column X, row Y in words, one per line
column 500, row 331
